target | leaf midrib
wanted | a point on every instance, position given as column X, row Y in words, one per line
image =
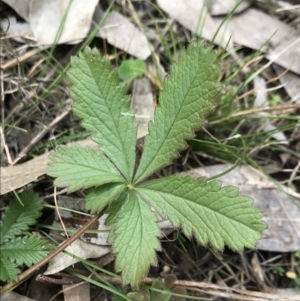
column 139, row 219
column 122, row 150
column 188, row 202
column 90, row 167
column 91, row 109
column 169, row 130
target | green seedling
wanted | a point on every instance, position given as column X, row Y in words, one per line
column 16, row 248
column 131, row 69
column 204, row 209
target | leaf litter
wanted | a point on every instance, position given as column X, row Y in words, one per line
column 63, row 26
column 243, row 29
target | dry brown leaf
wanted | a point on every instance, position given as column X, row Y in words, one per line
column 254, row 28
column 46, row 17
column 120, row 32
column 224, row 7
column 251, row 28
column 193, row 15
column 142, row 101
column 14, row 177
column 19, row 31
column 291, row 82
column 77, row 292
column 12, row 296
column 261, row 100
column 79, row 248
column 287, row 53
column 22, row 8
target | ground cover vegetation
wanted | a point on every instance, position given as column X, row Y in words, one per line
column 210, row 213
column 204, row 90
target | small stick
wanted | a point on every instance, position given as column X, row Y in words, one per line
column 60, row 281
column 293, row 175
column 58, row 213
column 5, row 146
column 285, row 107
column 39, row 136
column 217, row 290
column 22, row 58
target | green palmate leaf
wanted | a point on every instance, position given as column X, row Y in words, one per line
column 25, row 250
column 78, row 167
column 204, row 209
column 8, row 270
column 99, row 197
column 134, row 237
column 100, row 102
column 18, row 218
column 183, row 103
column 211, row 213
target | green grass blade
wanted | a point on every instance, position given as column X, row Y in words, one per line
column 77, row 167
column 134, row 239
column 101, row 102
column 183, row 104
column 213, row 214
